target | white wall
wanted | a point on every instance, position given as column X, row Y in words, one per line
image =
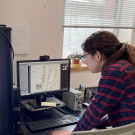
column 45, row 32
column 133, row 38
column 124, row 35
column 86, row 78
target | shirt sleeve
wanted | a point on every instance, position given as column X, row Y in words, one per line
column 110, row 90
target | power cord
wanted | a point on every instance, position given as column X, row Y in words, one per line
column 18, row 130
column 8, row 42
column 11, row 131
column 24, row 115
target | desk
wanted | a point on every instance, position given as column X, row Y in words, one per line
column 48, row 131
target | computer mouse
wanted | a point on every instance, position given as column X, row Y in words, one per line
column 85, row 105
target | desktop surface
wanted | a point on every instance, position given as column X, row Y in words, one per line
column 51, row 113
column 37, row 79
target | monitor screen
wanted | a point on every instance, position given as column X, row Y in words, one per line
column 35, row 77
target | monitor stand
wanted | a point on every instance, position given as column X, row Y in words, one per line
column 36, row 103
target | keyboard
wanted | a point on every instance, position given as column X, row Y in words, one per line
column 52, row 122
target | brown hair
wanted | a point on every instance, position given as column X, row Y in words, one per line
column 107, row 43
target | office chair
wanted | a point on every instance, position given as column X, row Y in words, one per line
column 122, row 130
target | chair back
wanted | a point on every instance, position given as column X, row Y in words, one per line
column 122, row 130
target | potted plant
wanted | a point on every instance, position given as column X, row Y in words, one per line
column 75, row 58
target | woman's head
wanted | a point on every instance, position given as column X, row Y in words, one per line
column 105, row 49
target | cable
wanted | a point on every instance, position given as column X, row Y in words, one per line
column 25, row 116
column 6, row 38
column 11, row 131
column 8, row 42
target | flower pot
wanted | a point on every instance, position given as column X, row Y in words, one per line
column 74, row 61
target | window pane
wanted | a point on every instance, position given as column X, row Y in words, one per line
column 74, row 37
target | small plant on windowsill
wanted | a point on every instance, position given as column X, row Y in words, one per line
column 75, row 58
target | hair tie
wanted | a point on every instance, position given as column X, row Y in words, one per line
column 119, row 46
column 126, row 45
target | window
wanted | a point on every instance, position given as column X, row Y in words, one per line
column 99, row 13
column 83, row 17
column 74, row 37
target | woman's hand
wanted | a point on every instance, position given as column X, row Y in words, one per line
column 66, row 132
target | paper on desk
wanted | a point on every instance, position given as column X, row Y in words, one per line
column 19, row 37
column 48, row 104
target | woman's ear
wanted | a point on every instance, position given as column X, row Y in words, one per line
column 99, row 56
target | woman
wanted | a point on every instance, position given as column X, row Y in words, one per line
column 115, row 95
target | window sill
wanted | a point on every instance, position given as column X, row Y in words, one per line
column 78, row 67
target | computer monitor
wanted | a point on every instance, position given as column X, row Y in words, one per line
column 36, row 78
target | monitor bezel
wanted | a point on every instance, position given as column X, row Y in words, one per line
column 48, row 92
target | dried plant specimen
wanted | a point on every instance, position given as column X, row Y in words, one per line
column 39, row 87
column 45, row 77
column 49, row 80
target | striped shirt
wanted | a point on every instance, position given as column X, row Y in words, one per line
column 115, row 96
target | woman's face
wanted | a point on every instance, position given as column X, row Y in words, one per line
column 94, row 62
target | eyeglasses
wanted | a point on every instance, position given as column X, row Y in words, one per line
column 83, row 57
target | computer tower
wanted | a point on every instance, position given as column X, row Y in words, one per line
column 6, row 82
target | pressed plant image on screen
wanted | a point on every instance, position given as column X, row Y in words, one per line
column 44, row 78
